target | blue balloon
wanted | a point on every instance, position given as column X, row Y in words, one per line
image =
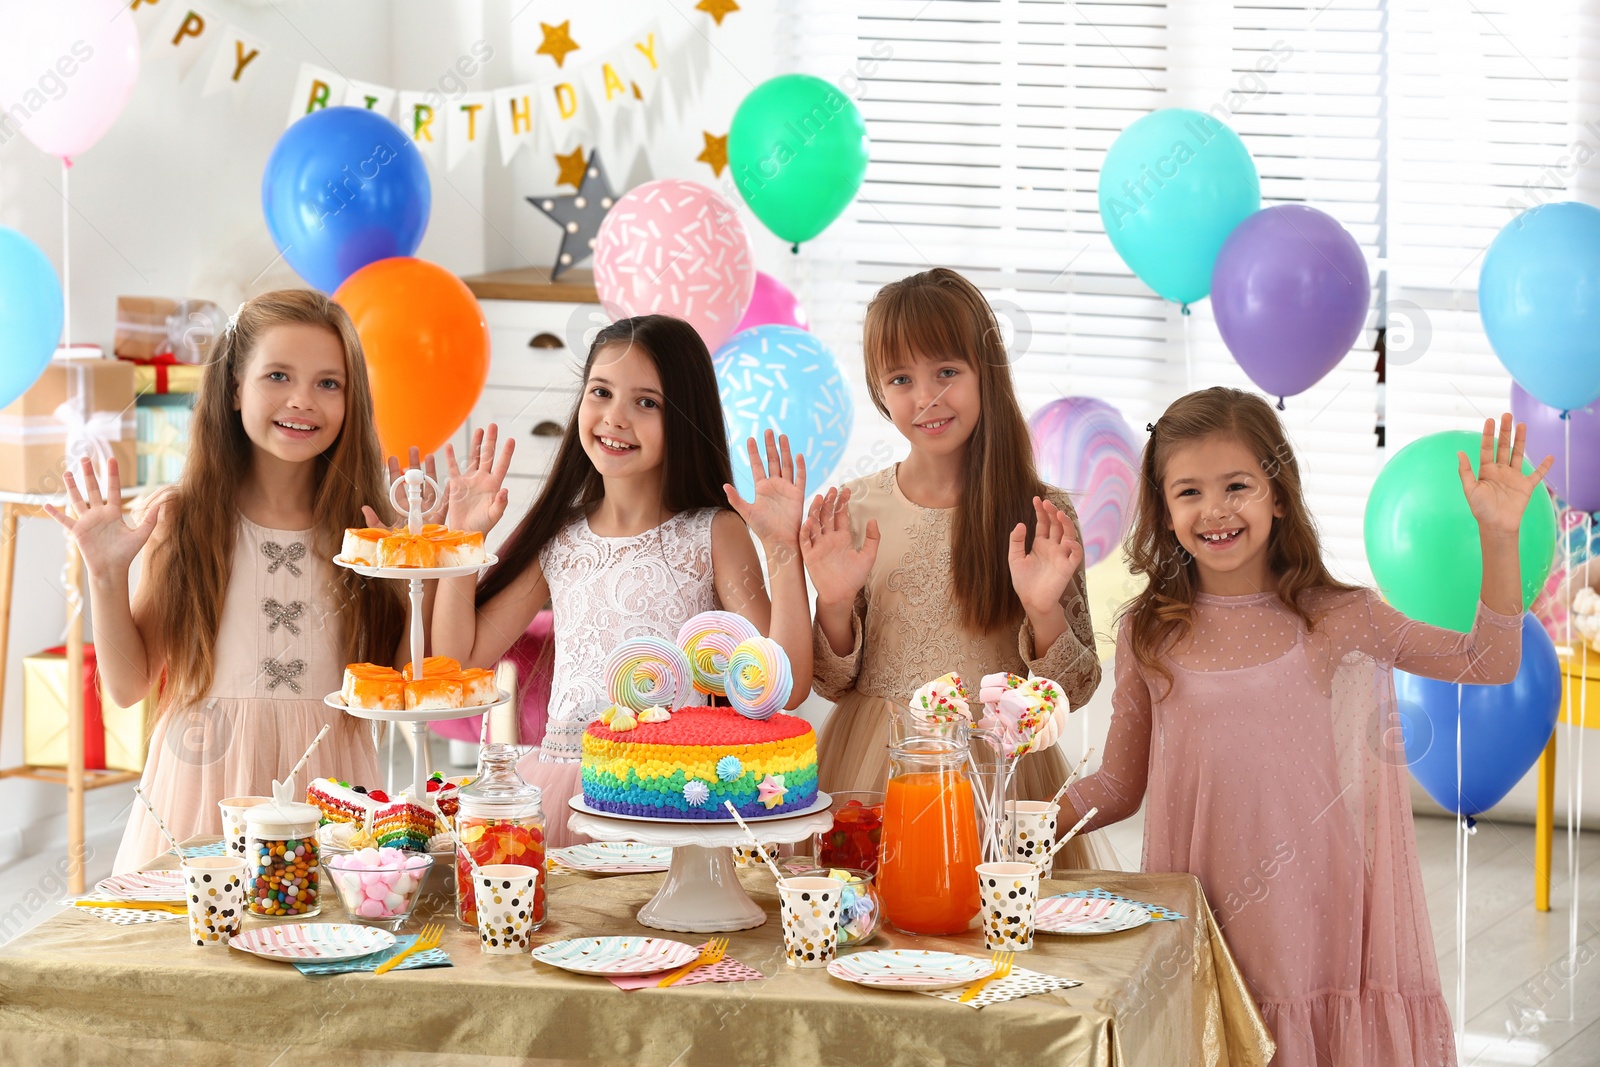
column 1174, row 184
column 1504, row 728
column 344, row 187
column 785, row 380
column 1539, row 296
column 30, row 314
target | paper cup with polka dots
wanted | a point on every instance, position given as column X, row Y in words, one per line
column 233, row 809
column 215, row 891
column 1009, row 892
column 1030, row 828
column 750, row 856
column 505, row 894
column 809, row 909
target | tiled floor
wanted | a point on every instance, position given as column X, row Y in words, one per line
column 1528, row 1001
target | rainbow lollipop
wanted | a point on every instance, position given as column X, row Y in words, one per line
column 758, row 681
column 647, row 672
column 708, row 640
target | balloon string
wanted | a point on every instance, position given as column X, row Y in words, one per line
column 1188, row 353
column 66, row 259
column 1575, row 783
column 1461, row 888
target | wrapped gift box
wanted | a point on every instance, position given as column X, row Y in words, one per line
column 34, row 437
column 163, row 375
column 163, row 429
column 142, row 326
column 113, row 737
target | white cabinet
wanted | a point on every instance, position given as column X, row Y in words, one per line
column 537, row 339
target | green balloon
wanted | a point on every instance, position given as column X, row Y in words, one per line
column 798, row 151
column 1422, row 541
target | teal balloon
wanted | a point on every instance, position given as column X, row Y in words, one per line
column 1539, row 297
column 30, row 314
column 797, row 150
column 1422, row 541
column 1174, row 184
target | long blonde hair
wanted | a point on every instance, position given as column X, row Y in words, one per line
column 939, row 314
column 190, row 569
column 1163, row 612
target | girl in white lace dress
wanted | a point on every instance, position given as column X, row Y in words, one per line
column 632, row 535
column 956, row 559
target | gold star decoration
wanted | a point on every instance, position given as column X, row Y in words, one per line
column 715, row 153
column 557, row 42
column 572, row 167
column 717, row 9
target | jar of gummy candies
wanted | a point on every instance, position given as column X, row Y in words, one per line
column 281, row 856
column 500, row 820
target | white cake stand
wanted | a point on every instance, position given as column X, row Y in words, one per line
column 701, row 893
column 413, row 482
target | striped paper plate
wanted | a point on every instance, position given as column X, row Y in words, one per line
column 312, row 941
column 1087, row 915
column 616, row 955
column 917, row 970
column 144, row 885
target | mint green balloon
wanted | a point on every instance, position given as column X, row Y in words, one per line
column 797, row 151
column 1422, row 541
column 1174, row 184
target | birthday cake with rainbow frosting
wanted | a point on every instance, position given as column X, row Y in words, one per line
column 651, row 755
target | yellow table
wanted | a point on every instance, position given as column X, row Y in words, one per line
column 1580, row 669
column 80, row 990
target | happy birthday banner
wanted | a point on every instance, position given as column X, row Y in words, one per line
column 571, row 107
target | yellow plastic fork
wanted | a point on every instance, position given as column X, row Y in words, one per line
column 715, row 949
column 1002, row 967
column 430, row 937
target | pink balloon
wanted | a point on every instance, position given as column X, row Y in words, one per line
column 772, row 304
column 70, row 67
column 674, row 247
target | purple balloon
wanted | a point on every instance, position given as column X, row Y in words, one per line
column 1579, row 486
column 1290, row 291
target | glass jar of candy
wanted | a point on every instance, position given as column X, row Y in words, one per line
column 500, row 820
column 282, row 860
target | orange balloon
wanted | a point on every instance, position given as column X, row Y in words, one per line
column 427, row 349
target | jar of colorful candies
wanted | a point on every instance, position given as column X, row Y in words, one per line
column 500, row 820
column 282, row 860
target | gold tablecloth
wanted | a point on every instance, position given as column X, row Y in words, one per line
column 78, row 990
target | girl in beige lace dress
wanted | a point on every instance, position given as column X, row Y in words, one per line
column 956, row 559
column 238, row 604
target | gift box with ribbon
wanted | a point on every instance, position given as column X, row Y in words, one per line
column 163, row 440
column 164, row 374
column 113, row 737
column 168, row 341
column 78, row 407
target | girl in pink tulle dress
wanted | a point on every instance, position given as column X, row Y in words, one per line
column 1253, row 716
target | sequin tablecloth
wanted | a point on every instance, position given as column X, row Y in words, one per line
column 79, row 991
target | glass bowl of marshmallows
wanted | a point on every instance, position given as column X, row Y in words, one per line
column 378, row 886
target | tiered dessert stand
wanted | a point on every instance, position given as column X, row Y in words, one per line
column 414, row 481
column 701, row 893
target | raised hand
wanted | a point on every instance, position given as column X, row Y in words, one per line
column 780, row 493
column 1041, row 577
column 95, row 524
column 1499, row 493
column 432, row 504
column 475, row 499
column 837, row 569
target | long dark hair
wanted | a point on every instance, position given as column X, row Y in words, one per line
column 693, row 471
column 1163, row 611
column 940, row 313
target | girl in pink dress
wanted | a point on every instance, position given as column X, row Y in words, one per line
column 239, row 606
column 1253, row 696
column 638, row 528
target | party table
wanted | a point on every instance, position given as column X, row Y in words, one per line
column 79, row 990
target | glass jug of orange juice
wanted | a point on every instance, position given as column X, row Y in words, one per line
column 927, row 868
